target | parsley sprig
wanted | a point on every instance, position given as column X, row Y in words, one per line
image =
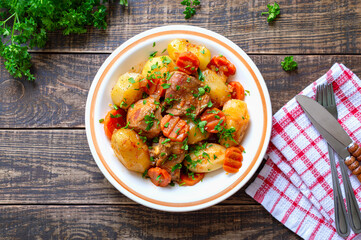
column 26, row 24
column 288, row 64
column 273, row 12
column 190, row 7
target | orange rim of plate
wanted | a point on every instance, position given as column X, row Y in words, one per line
column 163, row 203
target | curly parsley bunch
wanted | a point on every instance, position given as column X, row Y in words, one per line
column 26, row 23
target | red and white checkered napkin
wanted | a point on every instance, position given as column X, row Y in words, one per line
column 295, row 185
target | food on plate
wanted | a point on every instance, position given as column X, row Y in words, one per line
column 181, row 117
column 131, row 150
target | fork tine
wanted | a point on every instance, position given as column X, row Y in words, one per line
column 333, row 100
column 329, row 95
column 319, row 95
column 324, row 96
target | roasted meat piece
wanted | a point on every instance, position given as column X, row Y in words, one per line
column 185, row 95
column 167, row 155
column 144, row 117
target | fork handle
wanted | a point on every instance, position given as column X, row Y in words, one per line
column 352, row 206
column 341, row 220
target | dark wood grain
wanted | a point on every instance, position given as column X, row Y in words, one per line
column 57, row 98
column 137, row 222
column 56, row 167
column 316, row 27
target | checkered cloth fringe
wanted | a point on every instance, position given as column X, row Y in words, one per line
column 295, row 185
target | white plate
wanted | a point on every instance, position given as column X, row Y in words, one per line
column 216, row 186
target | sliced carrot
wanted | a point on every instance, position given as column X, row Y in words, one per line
column 174, row 128
column 233, row 159
column 214, row 118
column 237, row 90
column 187, row 62
column 221, row 64
column 159, row 177
column 114, row 119
column 190, row 180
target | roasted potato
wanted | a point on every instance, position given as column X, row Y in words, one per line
column 206, row 160
column 194, row 134
column 130, row 150
column 178, row 46
column 127, row 91
column 219, row 92
column 237, row 117
column 158, row 66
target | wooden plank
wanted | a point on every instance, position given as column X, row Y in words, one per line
column 56, row 167
column 132, row 222
column 325, row 26
column 57, row 98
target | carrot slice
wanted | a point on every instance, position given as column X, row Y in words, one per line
column 174, row 128
column 114, row 119
column 190, row 180
column 215, row 119
column 159, row 177
column 223, row 65
column 233, row 159
column 187, row 62
column 237, row 90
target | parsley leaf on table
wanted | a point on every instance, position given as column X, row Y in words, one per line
column 26, row 24
column 288, row 64
column 273, row 11
column 190, row 10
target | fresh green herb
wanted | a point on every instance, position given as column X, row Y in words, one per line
column 165, row 141
column 247, row 93
column 177, row 87
column 115, row 107
column 162, row 154
column 115, row 116
column 144, row 101
column 154, row 44
column 152, row 159
column 166, row 85
column 185, row 144
column 172, row 184
column 216, row 69
column 201, row 126
column 288, row 64
column 149, row 120
column 132, row 106
column 215, row 156
column 202, row 51
column 226, row 134
column 182, row 183
column 201, row 77
column 145, row 173
column 220, row 55
column 273, row 12
column 143, row 138
column 158, row 178
column 131, row 80
column 101, row 120
column 190, row 7
column 126, row 126
column 218, row 127
column 209, row 104
column 27, row 24
column 124, row 3
column 152, row 55
column 164, row 50
column 166, row 125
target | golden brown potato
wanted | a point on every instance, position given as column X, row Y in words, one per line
column 126, row 91
column 178, row 46
column 158, row 66
column 206, row 160
column 130, row 150
column 237, row 117
column 194, row 134
column 219, row 92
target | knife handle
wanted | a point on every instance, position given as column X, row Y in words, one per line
column 355, row 150
column 354, row 166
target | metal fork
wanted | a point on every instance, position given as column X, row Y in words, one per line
column 326, row 97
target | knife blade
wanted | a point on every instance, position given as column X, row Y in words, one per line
column 327, row 125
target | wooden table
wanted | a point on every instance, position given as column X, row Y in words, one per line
column 50, row 186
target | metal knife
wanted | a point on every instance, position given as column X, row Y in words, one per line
column 339, row 140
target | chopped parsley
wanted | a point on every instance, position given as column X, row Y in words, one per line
column 166, row 125
column 153, row 44
column 273, row 12
column 145, row 173
column 144, row 102
column 200, row 75
column 126, row 126
column 115, row 107
column 115, row 116
column 166, row 141
column 149, row 120
column 202, row 51
column 166, row 85
column 201, row 126
column 153, row 54
column 209, row 104
column 101, row 120
column 131, row 80
column 164, row 50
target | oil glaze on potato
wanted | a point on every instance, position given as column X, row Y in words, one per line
column 237, row 117
column 130, row 150
column 178, row 46
column 127, row 91
column 158, row 66
column 194, row 134
column 219, row 92
column 209, row 159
